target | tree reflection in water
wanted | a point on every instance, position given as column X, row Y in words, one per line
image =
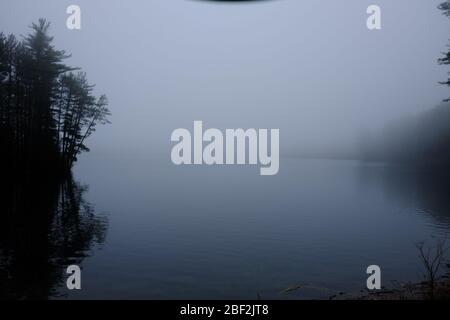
column 45, row 225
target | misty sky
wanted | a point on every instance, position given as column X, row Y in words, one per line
column 310, row 68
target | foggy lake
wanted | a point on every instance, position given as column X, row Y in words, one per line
column 141, row 227
column 226, row 232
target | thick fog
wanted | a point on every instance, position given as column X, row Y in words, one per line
column 310, row 68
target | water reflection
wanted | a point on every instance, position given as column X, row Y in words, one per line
column 45, row 226
column 425, row 191
column 274, row 234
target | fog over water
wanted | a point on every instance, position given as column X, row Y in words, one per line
column 142, row 227
column 310, row 68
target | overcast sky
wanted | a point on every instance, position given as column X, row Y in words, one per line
column 310, row 68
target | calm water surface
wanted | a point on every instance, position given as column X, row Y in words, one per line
column 229, row 233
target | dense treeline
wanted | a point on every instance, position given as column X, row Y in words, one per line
column 423, row 139
column 47, row 109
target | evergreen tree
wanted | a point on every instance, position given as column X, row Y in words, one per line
column 445, row 7
column 46, row 111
